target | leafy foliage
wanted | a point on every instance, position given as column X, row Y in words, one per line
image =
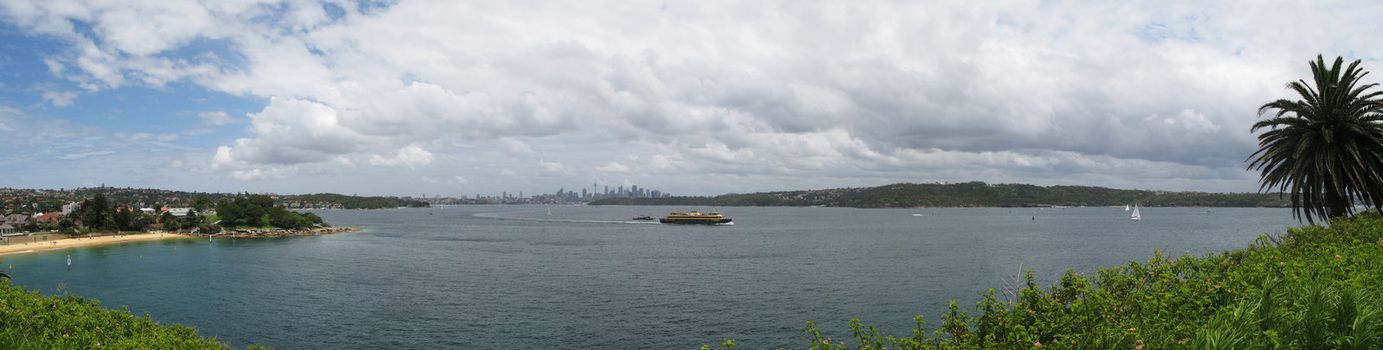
column 1311, row 288
column 260, row 211
column 96, row 213
column 29, row 320
column 1325, row 149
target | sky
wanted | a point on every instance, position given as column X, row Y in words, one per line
column 691, row 97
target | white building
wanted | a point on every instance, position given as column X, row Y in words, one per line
column 179, row 211
column 68, row 208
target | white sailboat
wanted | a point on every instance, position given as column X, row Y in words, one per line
column 1126, row 207
column 1135, row 216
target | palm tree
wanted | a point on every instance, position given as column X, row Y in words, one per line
column 1325, row 149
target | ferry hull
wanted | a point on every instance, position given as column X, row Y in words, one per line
column 695, row 221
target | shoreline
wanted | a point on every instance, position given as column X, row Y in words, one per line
column 83, row 242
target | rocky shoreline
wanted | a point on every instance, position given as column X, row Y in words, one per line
column 266, row 233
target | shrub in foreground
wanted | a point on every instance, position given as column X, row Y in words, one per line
column 29, row 320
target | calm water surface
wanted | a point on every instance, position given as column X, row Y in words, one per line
column 514, row 277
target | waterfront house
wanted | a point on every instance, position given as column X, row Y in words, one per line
column 49, row 217
column 17, row 219
column 6, row 229
column 179, row 212
column 149, row 211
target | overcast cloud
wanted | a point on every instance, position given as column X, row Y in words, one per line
column 705, row 97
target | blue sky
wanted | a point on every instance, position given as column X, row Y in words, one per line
column 410, row 97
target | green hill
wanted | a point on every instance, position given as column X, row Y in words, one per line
column 969, row 194
column 332, row 200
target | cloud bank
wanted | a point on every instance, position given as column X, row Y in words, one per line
column 714, row 96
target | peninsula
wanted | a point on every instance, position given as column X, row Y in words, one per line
column 100, row 221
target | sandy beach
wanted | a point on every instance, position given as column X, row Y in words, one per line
column 34, row 247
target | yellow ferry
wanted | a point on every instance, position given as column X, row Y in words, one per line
column 694, row 217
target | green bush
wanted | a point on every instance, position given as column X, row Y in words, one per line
column 29, row 320
column 259, row 211
column 1311, row 288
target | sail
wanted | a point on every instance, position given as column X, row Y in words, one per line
column 1125, row 207
column 1136, row 216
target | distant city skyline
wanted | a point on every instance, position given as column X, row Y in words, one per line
column 595, row 192
column 696, row 98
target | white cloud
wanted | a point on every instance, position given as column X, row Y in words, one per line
column 217, row 118
column 453, row 180
column 410, row 156
column 81, row 155
column 552, row 167
column 60, row 98
column 612, row 167
column 515, row 147
column 294, row 131
column 54, row 67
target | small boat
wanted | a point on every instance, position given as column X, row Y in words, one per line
column 695, row 217
column 1136, row 216
column 643, row 218
column 1126, row 208
column 918, row 214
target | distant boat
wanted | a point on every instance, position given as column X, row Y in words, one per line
column 643, row 218
column 918, row 214
column 1135, row 216
column 1126, row 207
column 549, row 210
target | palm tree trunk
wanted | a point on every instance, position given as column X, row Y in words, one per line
column 1335, row 204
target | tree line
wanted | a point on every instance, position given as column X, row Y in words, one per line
column 100, row 214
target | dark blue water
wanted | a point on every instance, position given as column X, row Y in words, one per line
column 514, row 277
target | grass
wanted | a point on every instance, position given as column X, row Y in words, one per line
column 1311, row 288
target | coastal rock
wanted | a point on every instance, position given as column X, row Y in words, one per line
column 261, row 233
